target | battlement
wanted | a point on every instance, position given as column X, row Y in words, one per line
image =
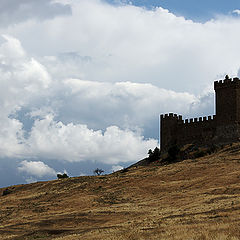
column 171, row 116
column 200, row 119
column 175, row 130
column 227, row 83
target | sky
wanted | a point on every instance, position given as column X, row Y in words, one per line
column 190, row 9
column 83, row 81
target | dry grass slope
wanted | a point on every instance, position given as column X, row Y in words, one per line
column 192, row 199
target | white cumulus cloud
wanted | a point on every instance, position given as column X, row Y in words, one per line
column 237, row 11
column 22, row 79
column 126, row 104
column 54, row 140
column 37, row 169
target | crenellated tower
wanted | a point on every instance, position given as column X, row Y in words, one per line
column 169, row 126
column 227, row 100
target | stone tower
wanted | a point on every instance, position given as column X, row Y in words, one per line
column 169, row 127
column 227, row 109
column 227, row 101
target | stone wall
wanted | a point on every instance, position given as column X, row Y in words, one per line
column 176, row 131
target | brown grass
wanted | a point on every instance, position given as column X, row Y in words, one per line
column 192, row 200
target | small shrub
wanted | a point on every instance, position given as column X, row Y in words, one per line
column 199, row 154
column 124, row 170
column 60, row 176
column 98, row 171
column 6, row 192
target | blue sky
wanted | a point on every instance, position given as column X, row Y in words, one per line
column 83, row 81
column 191, row 9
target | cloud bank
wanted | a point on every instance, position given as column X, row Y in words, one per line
column 102, row 42
column 74, row 119
column 30, row 86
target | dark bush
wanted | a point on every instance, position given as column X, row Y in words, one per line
column 6, row 192
column 199, row 154
column 60, row 176
column 98, row 171
column 173, row 152
column 154, row 155
column 150, row 152
column 124, row 170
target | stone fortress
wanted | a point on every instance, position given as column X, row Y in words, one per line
column 224, row 127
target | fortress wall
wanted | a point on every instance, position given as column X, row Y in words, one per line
column 198, row 130
column 228, row 133
column 174, row 130
column 222, row 128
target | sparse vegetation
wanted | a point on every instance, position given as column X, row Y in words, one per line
column 189, row 151
column 185, row 200
column 98, row 171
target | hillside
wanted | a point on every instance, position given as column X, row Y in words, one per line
column 193, row 199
